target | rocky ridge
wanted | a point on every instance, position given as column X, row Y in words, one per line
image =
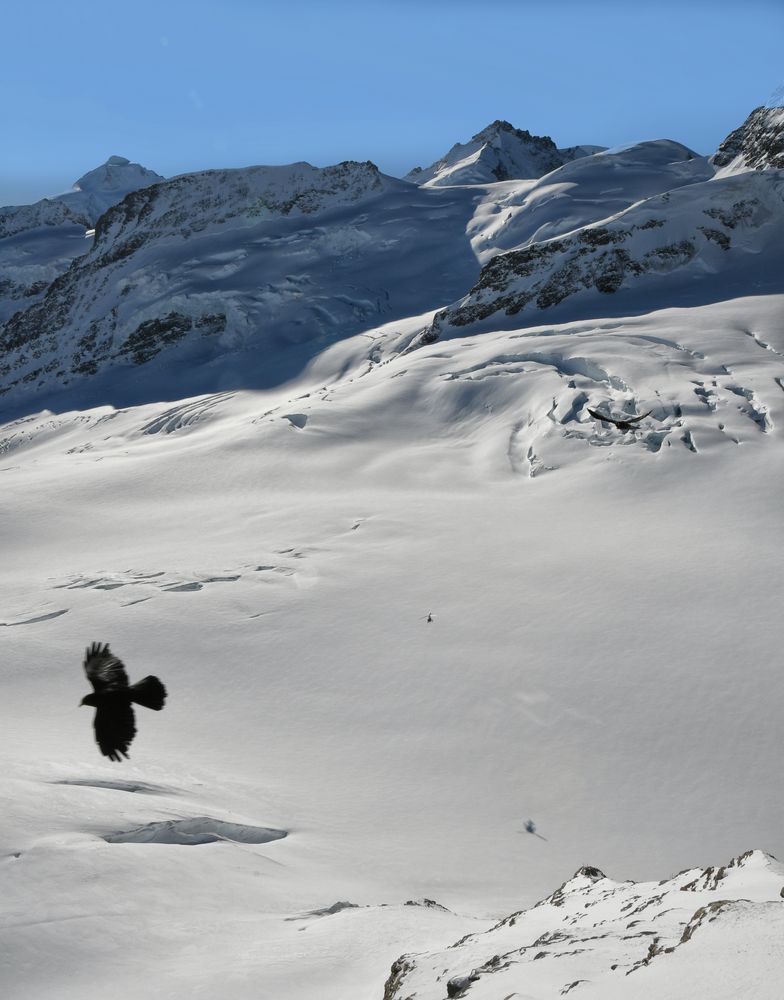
column 594, row 937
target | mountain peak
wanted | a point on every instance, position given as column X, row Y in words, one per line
column 498, row 152
column 117, row 174
column 497, row 129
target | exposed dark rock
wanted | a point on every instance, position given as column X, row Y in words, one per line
column 716, row 236
column 458, row 986
column 758, row 143
column 150, row 337
column 741, row 211
column 400, row 967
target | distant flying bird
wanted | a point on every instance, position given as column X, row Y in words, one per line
column 530, row 827
column 626, row 424
column 113, row 699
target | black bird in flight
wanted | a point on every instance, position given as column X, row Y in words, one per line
column 113, row 700
column 624, row 425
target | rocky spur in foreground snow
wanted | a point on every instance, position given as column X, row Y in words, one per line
column 712, row 932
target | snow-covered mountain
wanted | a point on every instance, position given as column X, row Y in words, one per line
column 38, row 242
column 499, row 152
column 404, row 591
column 87, row 200
column 242, row 276
column 690, row 245
column 106, row 185
column 253, row 269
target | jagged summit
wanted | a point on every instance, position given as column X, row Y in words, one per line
column 758, row 144
column 498, row 152
column 494, row 129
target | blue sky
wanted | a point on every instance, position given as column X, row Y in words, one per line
column 182, row 86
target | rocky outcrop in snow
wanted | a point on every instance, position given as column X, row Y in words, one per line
column 597, row 938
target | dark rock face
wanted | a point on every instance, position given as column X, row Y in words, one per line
column 545, row 274
column 150, row 337
column 758, row 143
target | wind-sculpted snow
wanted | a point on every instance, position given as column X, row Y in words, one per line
column 596, row 938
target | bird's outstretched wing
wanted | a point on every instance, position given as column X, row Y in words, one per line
column 115, row 728
column 104, row 671
column 618, row 423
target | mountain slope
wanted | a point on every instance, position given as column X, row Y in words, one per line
column 695, row 244
column 584, row 191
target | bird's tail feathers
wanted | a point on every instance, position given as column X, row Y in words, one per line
column 148, row 692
